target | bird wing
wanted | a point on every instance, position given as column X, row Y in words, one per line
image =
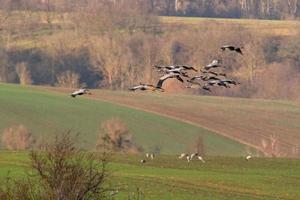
column 195, row 77
column 176, row 70
column 213, row 73
column 187, row 67
column 159, row 66
column 213, row 78
column 238, row 50
column 196, row 70
column 81, row 90
column 185, row 74
column 230, row 81
column 77, row 92
column 204, row 71
column 170, row 67
column 149, row 85
column 230, row 47
column 179, row 78
column 160, row 83
column 214, row 63
column 135, row 87
column 207, row 68
column 205, row 87
column 162, row 79
column 166, row 76
column 213, row 82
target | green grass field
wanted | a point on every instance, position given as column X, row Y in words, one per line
column 168, row 178
column 46, row 114
column 245, row 120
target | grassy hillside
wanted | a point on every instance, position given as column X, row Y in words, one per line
column 46, row 114
column 266, row 27
column 168, row 178
column 247, row 120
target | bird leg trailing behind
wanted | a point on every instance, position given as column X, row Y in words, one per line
column 182, row 155
column 159, row 89
column 205, row 87
column 200, row 158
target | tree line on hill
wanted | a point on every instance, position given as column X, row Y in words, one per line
column 104, row 44
column 262, row 9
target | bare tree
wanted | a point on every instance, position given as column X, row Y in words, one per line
column 116, row 136
column 61, row 171
column 271, row 146
column 4, row 66
column 23, row 73
column 68, row 79
column 197, row 146
column 17, row 138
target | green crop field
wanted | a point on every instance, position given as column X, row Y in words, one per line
column 168, row 178
column 245, row 120
column 46, row 114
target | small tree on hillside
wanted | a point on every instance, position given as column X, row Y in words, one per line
column 200, row 145
column 68, row 79
column 271, row 146
column 197, row 146
column 116, row 137
column 17, row 138
column 23, row 73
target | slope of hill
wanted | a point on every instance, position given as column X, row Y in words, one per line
column 248, row 120
column 168, row 178
column 46, row 113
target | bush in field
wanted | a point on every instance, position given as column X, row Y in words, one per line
column 61, row 171
column 17, row 138
column 116, row 137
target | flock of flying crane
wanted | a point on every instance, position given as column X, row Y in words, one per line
column 207, row 78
